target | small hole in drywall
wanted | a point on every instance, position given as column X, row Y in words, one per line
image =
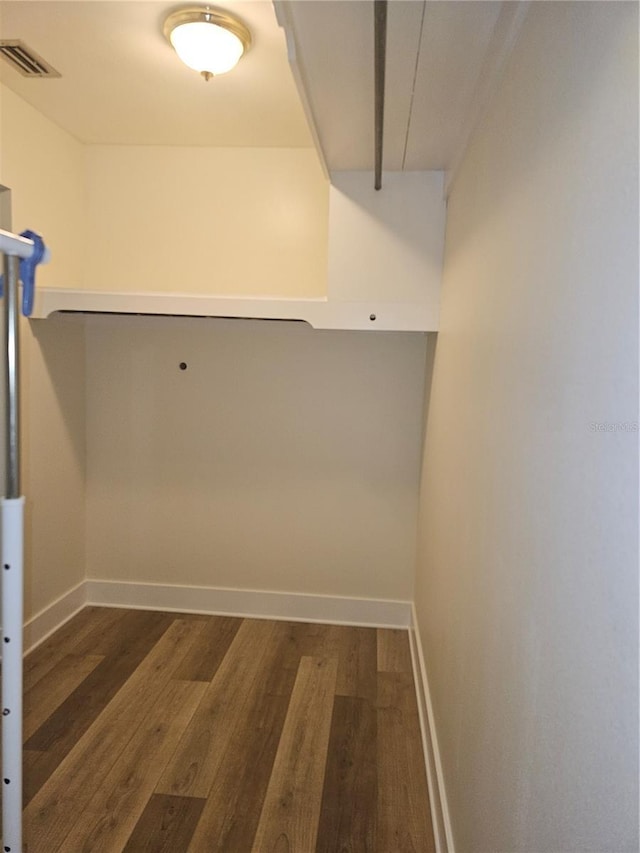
column 372, row 317
column 183, row 365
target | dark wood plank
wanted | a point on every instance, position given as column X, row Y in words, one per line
column 404, row 819
column 308, row 640
column 166, row 825
column 394, row 654
column 136, row 636
column 206, row 656
column 349, row 801
column 232, row 809
column 122, row 794
column 50, row 815
column 353, row 648
column 198, row 758
column 50, row 691
column 230, row 816
column 104, row 638
column 289, row 817
column 279, row 676
column 42, row 763
column 69, row 639
column 397, row 690
column 357, row 652
column 37, row 767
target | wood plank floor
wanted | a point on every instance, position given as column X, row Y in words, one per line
column 170, row 733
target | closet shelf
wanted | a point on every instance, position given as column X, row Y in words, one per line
column 320, row 313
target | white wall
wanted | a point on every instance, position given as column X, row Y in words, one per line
column 54, row 459
column 527, row 583
column 282, row 459
column 387, row 245
column 317, row 488
column 44, row 168
column 225, row 221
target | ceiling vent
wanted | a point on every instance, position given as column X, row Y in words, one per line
column 24, row 60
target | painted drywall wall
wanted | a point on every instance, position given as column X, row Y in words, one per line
column 342, row 521
column 225, row 221
column 54, row 436
column 387, row 245
column 44, row 168
column 282, row 458
column 527, row 584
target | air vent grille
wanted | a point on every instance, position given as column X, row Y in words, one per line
column 24, row 60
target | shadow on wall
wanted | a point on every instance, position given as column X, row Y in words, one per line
column 56, row 379
column 53, row 457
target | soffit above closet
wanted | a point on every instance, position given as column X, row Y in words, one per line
column 440, row 61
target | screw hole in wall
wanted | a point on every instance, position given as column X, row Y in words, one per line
column 183, row 365
column 372, row 317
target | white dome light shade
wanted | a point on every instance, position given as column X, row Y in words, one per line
column 209, row 41
column 207, row 47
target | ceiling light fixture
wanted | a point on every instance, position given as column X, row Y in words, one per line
column 208, row 40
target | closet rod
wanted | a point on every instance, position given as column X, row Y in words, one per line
column 11, row 329
column 380, row 50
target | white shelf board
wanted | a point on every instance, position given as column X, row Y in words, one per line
column 319, row 313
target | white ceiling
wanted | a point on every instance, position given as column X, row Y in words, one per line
column 123, row 84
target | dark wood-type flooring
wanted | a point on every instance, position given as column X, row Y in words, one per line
column 156, row 732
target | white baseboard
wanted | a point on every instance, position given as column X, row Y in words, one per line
column 437, row 793
column 256, row 604
column 52, row 617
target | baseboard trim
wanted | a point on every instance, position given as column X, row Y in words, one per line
column 256, row 604
column 52, row 617
column 437, row 793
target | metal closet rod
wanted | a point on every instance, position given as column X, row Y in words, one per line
column 380, row 51
column 10, row 332
column 14, row 247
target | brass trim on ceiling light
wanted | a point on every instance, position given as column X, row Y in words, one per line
column 209, row 15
